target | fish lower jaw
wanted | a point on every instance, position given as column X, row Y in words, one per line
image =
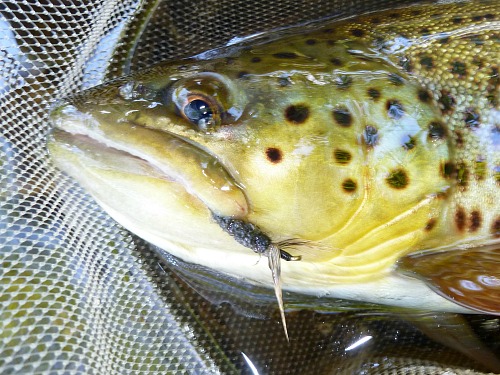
column 239, row 262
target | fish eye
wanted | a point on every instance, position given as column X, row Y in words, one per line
column 206, row 100
column 201, row 111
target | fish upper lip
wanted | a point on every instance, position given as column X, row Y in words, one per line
column 62, row 111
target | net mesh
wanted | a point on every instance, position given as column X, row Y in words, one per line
column 78, row 293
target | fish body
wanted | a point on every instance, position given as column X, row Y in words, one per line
column 367, row 142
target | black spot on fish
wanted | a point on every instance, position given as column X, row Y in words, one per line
column 489, row 16
column 349, row 186
column 297, row 114
column 397, row 179
column 409, row 143
column 274, row 155
column 343, row 81
column 328, row 31
column 458, row 68
column 311, row 42
column 457, row 20
column 256, row 59
column 495, row 228
column 460, row 218
column 395, row 79
column 357, row 33
column 393, row 15
column 424, row 96
column 477, row 18
column 285, row 55
column 447, row 169
column 475, row 221
column 430, row 224
column 342, row 116
column 395, row 109
column 373, row 93
column 462, row 176
column 446, row 102
column 471, row 118
column 427, row 62
column 336, row 61
column 342, row 156
column 437, row 130
column 370, row 134
column 375, row 20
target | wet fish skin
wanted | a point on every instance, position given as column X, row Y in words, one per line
column 372, row 138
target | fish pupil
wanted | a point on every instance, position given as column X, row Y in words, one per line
column 199, row 112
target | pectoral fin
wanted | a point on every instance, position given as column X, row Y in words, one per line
column 470, row 277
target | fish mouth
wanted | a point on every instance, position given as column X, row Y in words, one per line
column 81, row 141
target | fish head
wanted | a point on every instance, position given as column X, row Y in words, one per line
column 128, row 144
column 279, row 139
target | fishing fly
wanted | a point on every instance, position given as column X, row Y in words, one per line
column 249, row 235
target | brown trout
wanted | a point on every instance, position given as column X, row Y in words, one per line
column 363, row 152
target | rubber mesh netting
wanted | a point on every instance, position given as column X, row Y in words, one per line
column 81, row 295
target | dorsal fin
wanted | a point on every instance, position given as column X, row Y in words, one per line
column 469, row 277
